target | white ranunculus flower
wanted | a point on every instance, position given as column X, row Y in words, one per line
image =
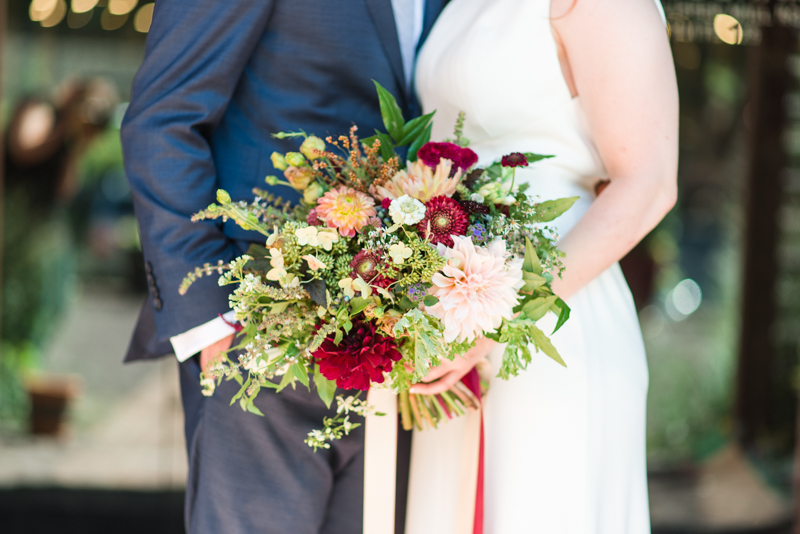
column 406, row 210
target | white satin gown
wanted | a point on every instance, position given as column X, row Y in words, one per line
column 564, row 448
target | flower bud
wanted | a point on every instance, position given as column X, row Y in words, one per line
column 271, row 180
column 295, row 159
column 313, row 192
column 278, row 161
column 299, row 177
column 223, row 197
column 312, row 146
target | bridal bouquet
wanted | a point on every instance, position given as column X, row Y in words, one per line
column 385, row 268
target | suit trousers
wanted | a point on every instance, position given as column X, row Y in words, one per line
column 254, row 475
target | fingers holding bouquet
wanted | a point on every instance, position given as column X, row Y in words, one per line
column 446, row 375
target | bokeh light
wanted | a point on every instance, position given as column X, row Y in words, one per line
column 42, row 9
column 109, row 21
column 683, row 300
column 56, row 16
column 728, row 29
column 121, row 7
column 143, row 18
column 83, row 6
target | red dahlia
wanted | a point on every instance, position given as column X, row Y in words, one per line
column 445, row 218
column 365, row 264
column 515, row 159
column 360, row 358
column 462, row 157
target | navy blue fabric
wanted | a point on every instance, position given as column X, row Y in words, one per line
column 217, row 79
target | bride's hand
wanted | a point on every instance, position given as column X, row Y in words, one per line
column 446, row 375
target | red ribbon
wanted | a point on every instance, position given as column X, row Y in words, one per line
column 473, row 382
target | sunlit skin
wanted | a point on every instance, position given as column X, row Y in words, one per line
column 615, row 56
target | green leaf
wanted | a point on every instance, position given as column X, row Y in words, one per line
column 531, row 263
column 428, row 341
column 301, row 373
column 413, row 128
column 326, row 389
column 288, row 378
column 278, row 307
column 532, row 158
column 252, row 409
column 338, row 337
column 538, row 308
column 563, row 314
column 367, row 141
column 533, row 281
column 316, row 290
column 347, row 325
column 387, row 145
column 549, row 210
column 544, row 344
column 390, row 112
column 430, row 300
column 406, row 303
column 418, row 142
column 358, row 304
column 241, row 390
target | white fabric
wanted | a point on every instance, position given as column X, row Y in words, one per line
column 565, row 448
column 193, row 341
column 408, row 17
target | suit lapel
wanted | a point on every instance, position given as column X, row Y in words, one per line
column 383, row 17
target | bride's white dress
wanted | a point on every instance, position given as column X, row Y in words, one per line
column 565, row 448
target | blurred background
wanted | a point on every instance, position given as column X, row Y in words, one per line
column 87, row 445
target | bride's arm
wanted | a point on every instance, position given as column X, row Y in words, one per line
column 617, row 53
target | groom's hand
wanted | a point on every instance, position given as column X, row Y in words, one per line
column 214, row 351
column 446, row 375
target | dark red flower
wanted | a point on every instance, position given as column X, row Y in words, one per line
column 515, row 159
column 360, row 358
column 474, row 208
column 312, row 218
column 462, row 157
column 365, row 264
column 445, row 218
column 386, row 202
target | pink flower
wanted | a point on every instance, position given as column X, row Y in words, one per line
column 431, row 153
column 346, row 209
column 477, row 289
column 419, row 181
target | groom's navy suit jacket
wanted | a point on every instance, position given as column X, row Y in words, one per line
column 218, row 78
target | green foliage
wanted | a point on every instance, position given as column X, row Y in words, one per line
column 425, row 338
column 326, row 389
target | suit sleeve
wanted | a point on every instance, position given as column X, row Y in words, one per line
column 196, row 53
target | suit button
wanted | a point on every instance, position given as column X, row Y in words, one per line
column 157, row 304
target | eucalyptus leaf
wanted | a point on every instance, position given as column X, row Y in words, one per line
column 430, row 300
column 390, row 112
column 544, row 344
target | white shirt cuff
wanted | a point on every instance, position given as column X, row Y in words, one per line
column 193, row 341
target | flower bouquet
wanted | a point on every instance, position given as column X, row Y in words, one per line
column 385, row 268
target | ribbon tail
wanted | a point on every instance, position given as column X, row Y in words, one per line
column 380, row 462
column 470, row 517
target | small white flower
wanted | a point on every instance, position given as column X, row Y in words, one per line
column 350, row 286
column 399, row 252
column 277, row 272
column 208, row 386
column 327, row 238
column 476, row 197
column 307, row 236
column 406, row 210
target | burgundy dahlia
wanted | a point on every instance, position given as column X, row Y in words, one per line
column 365, row 264
column 312, row 218
column 444, row 217
column 360, row 358
column 462, row 158
column 515, row 159
column 386, row 202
